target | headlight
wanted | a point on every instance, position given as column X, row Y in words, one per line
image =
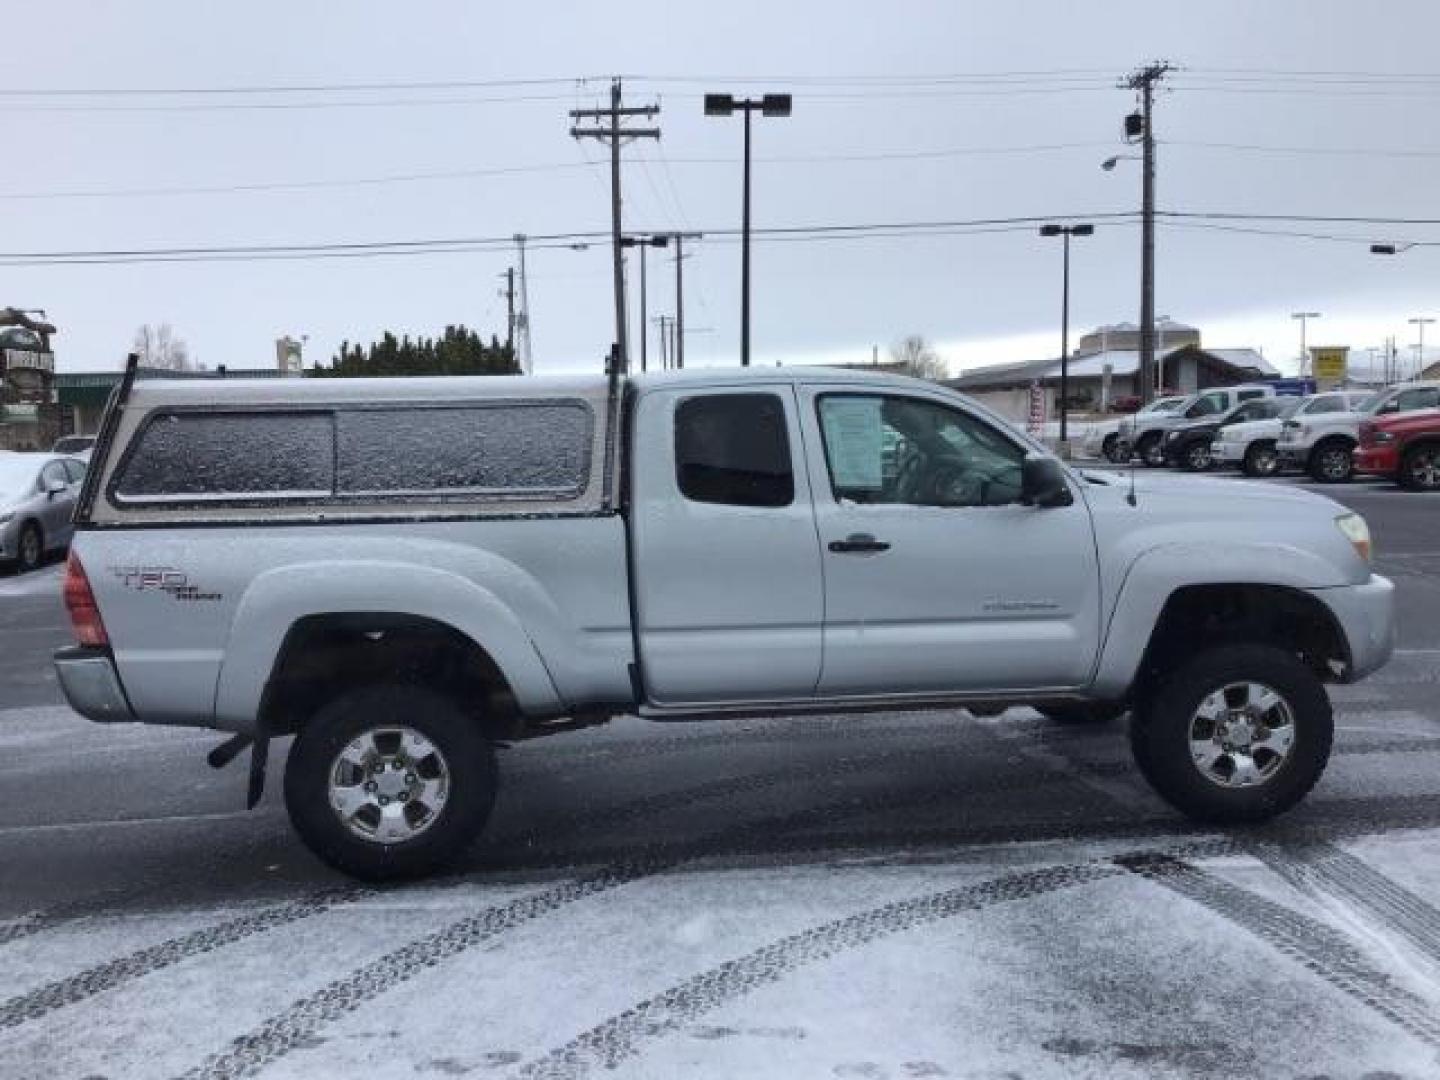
column 1357, row 532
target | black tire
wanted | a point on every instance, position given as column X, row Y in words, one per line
column 30, row 551
column 1150, row 452
column 1196, row 457
column 1331, row 463
column 1087, row 712
column 467, row 754
column 1261, row 459
column 1119, row 452
column 1420, row 468
column 1107, row 447
column 1160, row 728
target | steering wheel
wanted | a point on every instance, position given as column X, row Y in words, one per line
column 908, row 483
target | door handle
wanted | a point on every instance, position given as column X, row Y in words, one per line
column 858, row 542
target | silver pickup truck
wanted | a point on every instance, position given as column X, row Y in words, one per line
column 403, row 573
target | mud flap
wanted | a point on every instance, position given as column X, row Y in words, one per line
column 259, row 756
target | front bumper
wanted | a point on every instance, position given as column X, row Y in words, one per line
column 1377, row 460
column 1366, row 614
column 92, row 685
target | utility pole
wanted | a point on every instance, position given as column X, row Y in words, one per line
column 614, row 133
column 680, row 257
column 509, row 294
column 664, row 357
column 658, row 240
column 522, row 320
column 1141, row 125
column 1420, row 324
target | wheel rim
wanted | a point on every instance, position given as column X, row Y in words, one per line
column 1335, row 464
column 1241, row 735
column 389, row 785
column 1265, row 461
column 1425, row 469
column 30, row 547
column 1154, row 453
column 1199, row 457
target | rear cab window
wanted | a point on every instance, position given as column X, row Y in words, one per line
column 734, row 449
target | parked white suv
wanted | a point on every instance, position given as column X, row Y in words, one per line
column 403, row 573
column 1323, row 445
column 1253, row 446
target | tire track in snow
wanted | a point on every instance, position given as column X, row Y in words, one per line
column 611, row 1042
column 86, row 984
column 1319, row 868
column 1327, row 953
column 297, row 1024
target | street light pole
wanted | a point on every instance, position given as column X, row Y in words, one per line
column 725, row 105
column 1304, row 317
column 1419, row 324
column 1065, row 232
column 658, row 240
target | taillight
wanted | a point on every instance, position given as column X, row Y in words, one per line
column 80, row 602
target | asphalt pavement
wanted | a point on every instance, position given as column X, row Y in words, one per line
column 902, row 895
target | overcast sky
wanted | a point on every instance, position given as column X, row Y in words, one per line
column 883, row 131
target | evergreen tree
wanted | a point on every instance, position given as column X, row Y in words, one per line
column 457, row 350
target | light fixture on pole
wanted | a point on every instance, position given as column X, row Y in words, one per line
column 1065, row 231
column 1304, row 317
column 766, row 105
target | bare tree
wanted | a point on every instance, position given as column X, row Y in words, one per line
column 158, row 347
column 918, row 357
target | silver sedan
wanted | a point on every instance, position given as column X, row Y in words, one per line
column 37, row 495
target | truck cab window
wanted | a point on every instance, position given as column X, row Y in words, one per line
column 734, row 449
column 916, row 452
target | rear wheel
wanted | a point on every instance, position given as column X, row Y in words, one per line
column 1239, row 733
column 1107, row 447
column 1262, row 459
column 389, row 782
column 1150, row 451
column 31, row 549
column 1330, row 462
column 1420, row 469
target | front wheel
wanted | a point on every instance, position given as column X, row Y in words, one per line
column 1150, row 451
column 1238, row 734
column 1196, row 457
column 389, row 782
column 1420, row 470
column 1262, row 459
column 1331, row 463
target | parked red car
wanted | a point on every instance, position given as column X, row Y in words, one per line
column 1404, row 447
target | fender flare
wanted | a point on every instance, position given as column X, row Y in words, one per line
column 1157, row 574
column 279, row 598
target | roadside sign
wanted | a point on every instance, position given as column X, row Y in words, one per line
column 1035, row 425
column 1329, row 363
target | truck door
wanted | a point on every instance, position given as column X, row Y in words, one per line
column 937, row 578
column 724, row 559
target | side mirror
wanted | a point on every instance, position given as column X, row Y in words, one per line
column 54, row 487
column 1043, row 483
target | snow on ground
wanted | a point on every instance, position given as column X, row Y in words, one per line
column 36, row 583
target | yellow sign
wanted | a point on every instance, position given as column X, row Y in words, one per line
column 1328, row 363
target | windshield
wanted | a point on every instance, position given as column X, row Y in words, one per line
column 1164, row 405
column 17, row 475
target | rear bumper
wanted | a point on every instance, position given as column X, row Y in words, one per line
column 1378, row 460
column 92, row 686
column 1366, row 614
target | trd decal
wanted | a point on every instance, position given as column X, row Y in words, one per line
column 164, row 579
